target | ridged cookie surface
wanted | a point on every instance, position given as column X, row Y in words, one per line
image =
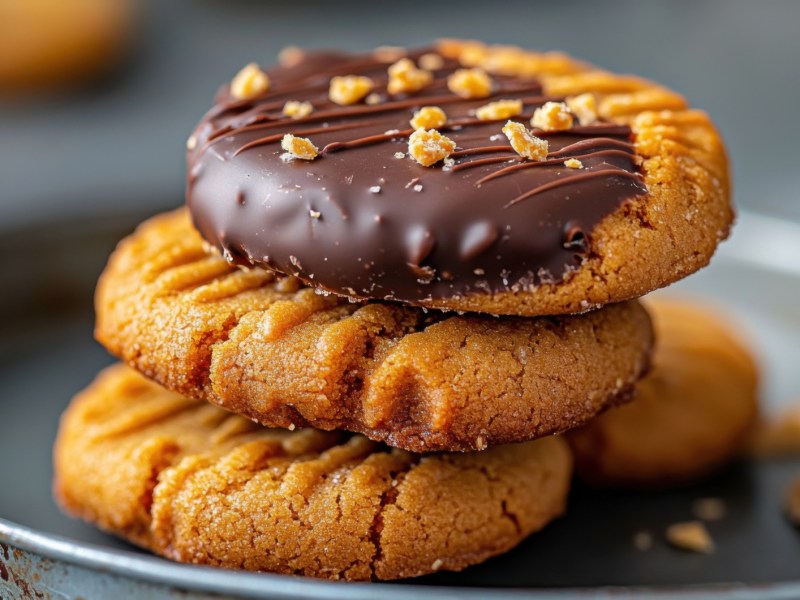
column 196, row 484
column 689, row 415
column 284, row 356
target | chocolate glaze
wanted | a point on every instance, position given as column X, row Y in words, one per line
column 360, row 222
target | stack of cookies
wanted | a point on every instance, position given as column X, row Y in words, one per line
column 398, row 278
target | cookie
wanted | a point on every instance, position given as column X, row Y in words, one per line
column 690, row 414
column 195, row 484
column 463, row 177
column 280, row 354
column 45, row 43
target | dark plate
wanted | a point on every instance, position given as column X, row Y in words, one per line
column 47, row 354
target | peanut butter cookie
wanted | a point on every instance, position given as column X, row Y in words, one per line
column 267, row 348
column 196, row 484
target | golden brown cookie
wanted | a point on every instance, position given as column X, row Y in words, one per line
column 51, row 42
column 195, row 484
column 689, row 415
column 285, row 356
column 462, row 177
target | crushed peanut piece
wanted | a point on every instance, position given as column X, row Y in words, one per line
column 428, row 147
column 709, row 509
column 250, row 81
column 428, row 117
column 291, row 56
column 349, row 89
column 583, row 106
column 373, row 98
column 502, row 109
column 692, row 536
column 552, row 116
column 573, row 163
column 431, row 61
column 298, row 147
column 405, row 77
column 297, row 110
column 389, row 53
column 470, row 83
column 524, row 142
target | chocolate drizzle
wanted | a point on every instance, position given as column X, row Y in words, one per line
column 359, row 221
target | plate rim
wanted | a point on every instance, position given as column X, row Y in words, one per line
column 198, row 578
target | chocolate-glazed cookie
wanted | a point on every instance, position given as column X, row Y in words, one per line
column 628, row 191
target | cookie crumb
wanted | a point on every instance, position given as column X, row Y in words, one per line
column 573, row 163
column 428, row 147
column 583, row 106
column 791, row 502
column 779, row 436
column 524, row 142
column 406, row 78
column 437, row 564
column 552, row 116
column 431, row 61
column 297, row 110
column 709, row 509
column 501, row 109
column 298, row 147
column 249, row 82
column 287, row 284
column 691, row 536
column 428, row 117
column 314, row 214
column 470, row 83
column 643, row 540
column 349, row 89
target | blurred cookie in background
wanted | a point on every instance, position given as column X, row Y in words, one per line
column 691, row 414
column 48, row 43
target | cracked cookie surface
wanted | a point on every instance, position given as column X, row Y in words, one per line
column 196, row 484
column 278, row 353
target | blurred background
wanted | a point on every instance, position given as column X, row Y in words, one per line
column 94, row 120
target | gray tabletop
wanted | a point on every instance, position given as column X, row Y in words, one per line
column 119, row 145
